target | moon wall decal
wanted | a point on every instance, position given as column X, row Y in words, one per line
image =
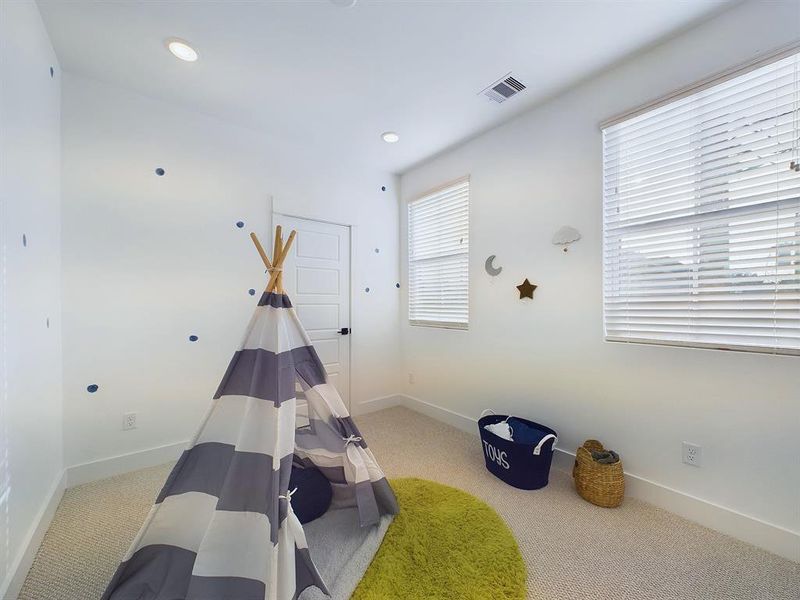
column 490, row 269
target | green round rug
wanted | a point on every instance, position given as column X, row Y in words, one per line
column 444, row 543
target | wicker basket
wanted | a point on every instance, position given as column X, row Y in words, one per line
column 603, row 485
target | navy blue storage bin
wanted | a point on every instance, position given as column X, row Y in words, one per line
column 524, row 465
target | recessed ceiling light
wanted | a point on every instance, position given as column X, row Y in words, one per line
column 181, row 49
column 390, row 137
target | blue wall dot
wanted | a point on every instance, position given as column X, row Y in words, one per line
column 160, row 172
column 397, row 285
column 192, row 338
column 52, row 71
column 377, row 250
column 366, row 290
column 24, row 240
column 92, row 388
column 240, row 224
column 48, row 322
column 251, row 291
column 383, row 188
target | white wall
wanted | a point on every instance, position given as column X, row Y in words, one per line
column 547, row 360
column 150, row 260
column 31, row 461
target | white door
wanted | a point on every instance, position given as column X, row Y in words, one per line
column 316, row 276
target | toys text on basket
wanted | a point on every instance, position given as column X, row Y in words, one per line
column 495, row 455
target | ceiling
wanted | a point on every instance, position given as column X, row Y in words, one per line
column 336, row 78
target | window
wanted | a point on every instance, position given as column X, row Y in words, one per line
column 438, row 257
column 701, row 217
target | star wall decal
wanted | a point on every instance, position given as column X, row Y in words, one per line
column 526, row 289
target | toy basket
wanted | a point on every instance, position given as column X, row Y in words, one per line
column 523, row 465
column 600, row 484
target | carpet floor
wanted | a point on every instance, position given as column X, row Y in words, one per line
column 572, row 549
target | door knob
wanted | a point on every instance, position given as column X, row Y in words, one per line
column 344, row 331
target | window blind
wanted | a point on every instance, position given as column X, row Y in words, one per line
column 701, row 217
column 438, row 257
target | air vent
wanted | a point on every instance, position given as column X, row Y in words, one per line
column 502, row 89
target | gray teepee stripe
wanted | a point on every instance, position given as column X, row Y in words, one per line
column 199, row 469
column 333, row 474
column 249, row 485
column 329, row 436
column 275, row 300
column 308, row 366
column 384, row 496
column 306, row 573
column 243, row 481
column 259, row 374
column 368, row 513
column 319, row 435
column 373, row 499
column 213, row 588
column 158, row 572
column 263, row 374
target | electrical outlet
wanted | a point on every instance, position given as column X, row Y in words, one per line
column 692, row 454
column 411, row 378
column 128, row 421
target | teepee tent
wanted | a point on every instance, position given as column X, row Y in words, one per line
column 223, row 525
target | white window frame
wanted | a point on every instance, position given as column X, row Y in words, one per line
column 617, row 277
column 453, row 257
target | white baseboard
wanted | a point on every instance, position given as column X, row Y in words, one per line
column 376, row 404
column 123, row 463
column 70, row 477
column 457, row 420
column 151, row 457
column 771, row 537
column 774, row 538
column 10, row 588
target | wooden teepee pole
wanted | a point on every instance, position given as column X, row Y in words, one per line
column 261, row 251
column 274, row 275
column 284, row 254
column 276, row 252
column 279, row 254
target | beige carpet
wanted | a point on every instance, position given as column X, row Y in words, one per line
column 573, row 550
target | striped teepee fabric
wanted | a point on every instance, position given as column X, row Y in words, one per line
column 223, row 526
